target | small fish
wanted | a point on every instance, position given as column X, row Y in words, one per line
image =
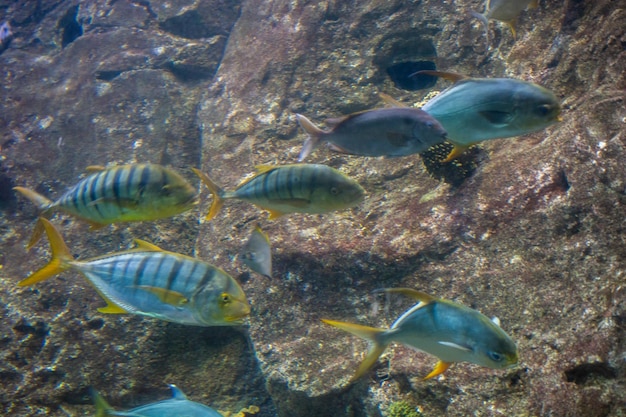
column 177, row 406
column 297, row 188
column 477, row 109
column 257, row 253
column 125, row 193
column 445, row 329
column 152, row 282
column 505, row 11
column 378, row 132
column 6, row 35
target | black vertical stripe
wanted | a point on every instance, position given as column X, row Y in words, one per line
column 264, row 190
column 157, row 271
column 190, row 275
column 117, row 185
column 140, row 268
column 84, row 195
column 173, row 274
column 130, row 183
column 94, row 196
column 310, row 186
column 208, row 276
column 290, row 183
column 144, row 180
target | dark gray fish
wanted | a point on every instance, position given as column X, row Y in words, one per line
column 379, row 132
column 257, row 253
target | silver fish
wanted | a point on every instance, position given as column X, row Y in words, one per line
column 152, row 282
column 505, row 11
column 257, row 253
column 378, row 132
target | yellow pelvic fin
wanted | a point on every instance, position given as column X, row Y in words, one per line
column 61, row 256
column 111, row 308
column 95, row 168
column 409, row 292
column 215, row 190
column 274, row 214
column 390, row 101
column 372, row 335
column 167, row 296
column 511, row 25
column 142, row 244
column 456, row 152
column 440, row 368
column 450, row 76
column 95, row 225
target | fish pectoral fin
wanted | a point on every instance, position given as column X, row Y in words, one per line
column 456, row 346
column 390, row 101
column 170, row 297
column 95, row 225
column 398, row 139
column 440, row 368
column 456, row 152
column 274, row 214
column 495, row 117
column 142, row 244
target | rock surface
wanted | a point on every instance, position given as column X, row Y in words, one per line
column 534, row 237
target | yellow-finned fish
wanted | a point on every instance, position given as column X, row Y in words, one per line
column 477, row 109
column 257, row 253
column 152, row 282
column 125, row 193
column 296, row 188
column 377, row 132
column 505, row 11
column 442, row 328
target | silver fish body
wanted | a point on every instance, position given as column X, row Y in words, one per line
column 257, row 253
column 177, row 406
column 506, row 10
column 378, row 132
column 477, row 109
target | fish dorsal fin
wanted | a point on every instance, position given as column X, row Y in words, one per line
column 450, row 76
column 496, row 321
column 455, row 346
column 390, row 101
column 262, row 169
column 334, row 121
column 170, row 297
column 142, row 244
column 177, row 393
column 409, row 292
column 95, row 168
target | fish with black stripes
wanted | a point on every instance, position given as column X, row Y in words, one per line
column 295, row 188
column 125, row 193
column 152, row 282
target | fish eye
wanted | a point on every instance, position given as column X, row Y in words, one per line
column 495, row 356
column 225, row 298
column 544, row 110
column 334, row 190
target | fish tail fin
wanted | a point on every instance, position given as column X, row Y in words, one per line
column 314, row 132
column 216, row 191
column 372, row 335
column 61, row 256
column 484, row 21
column 102, row 407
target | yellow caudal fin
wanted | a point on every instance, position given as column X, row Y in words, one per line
column 102, row 407
column 61, row 256
column 215, row 190
column 372, row 335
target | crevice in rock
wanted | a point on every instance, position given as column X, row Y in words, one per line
column 190, row 73
column 108, row 75
column 71, row 29
column 580, row 374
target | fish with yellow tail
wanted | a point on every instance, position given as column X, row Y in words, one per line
column 296, row 188
column 125, row 193
column 442, row 328
column 505, row 11
column 473, row 110
column 152, row 282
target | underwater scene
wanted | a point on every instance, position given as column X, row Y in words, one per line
column 324, row 208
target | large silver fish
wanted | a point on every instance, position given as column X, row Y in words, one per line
column 296, row 188
column 152, row 282
column 177, row 406
column 477, row 109
column 450, row 331
column 125, row 193
column 378, row 132
column 505, row 11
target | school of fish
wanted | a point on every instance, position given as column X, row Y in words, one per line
column 156, row 283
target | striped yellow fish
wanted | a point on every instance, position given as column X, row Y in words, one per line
column 123, row 193
column 152, row 282
column 296, row 188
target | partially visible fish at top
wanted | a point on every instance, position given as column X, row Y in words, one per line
column 125, row 193
column 505, row 11
column 377, row 132
column 152, row 282
column 257, row 253
column 294, row 188
column 6, row 35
